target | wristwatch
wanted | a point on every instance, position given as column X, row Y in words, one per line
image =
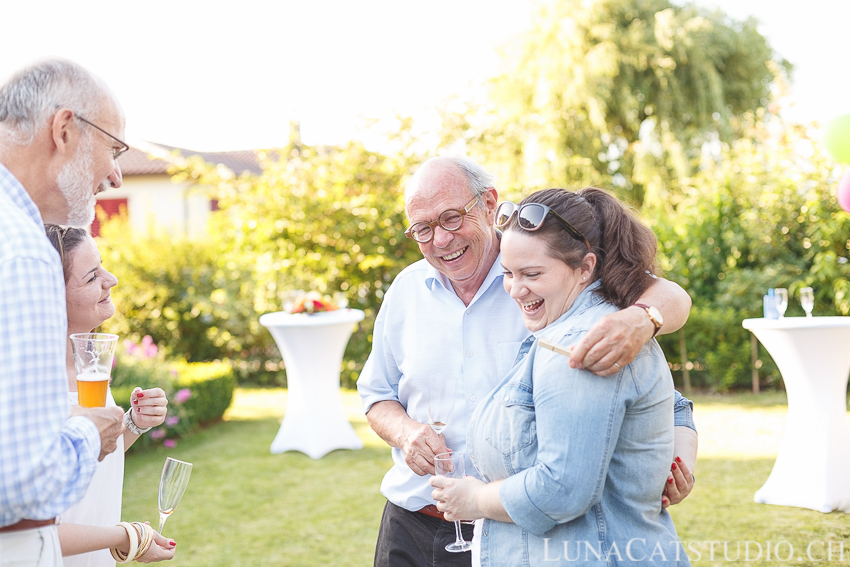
column 131, row 425
column 654, row 316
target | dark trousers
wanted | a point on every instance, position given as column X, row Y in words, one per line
column 411, row 539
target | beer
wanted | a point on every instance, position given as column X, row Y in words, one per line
column 91, row 388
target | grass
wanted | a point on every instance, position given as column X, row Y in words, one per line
column 247, row 507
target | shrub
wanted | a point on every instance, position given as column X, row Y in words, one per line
column 197, row 393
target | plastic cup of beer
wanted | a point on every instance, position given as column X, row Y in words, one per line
column 93, row 354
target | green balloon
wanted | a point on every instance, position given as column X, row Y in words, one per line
column 837, row 138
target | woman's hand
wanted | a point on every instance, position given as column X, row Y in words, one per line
column 679, row 484
column 458, row 498
column 161, row 549
column 148, row 407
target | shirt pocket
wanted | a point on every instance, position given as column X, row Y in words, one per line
column 513, row 429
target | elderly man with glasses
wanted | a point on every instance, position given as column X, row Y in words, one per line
column 60, row 130
column 450, row 313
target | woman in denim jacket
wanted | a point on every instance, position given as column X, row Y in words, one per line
column 573, row 464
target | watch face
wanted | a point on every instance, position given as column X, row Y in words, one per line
column 656, row 315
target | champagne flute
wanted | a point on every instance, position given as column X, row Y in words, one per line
column 172, row 485
column 451, row 465
column 807, row 300
column 781, row 301
column 441, row 399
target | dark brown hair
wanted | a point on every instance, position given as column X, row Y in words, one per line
column 625, row 248
column 65, row 240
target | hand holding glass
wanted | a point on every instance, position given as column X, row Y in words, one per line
column 807, row 300
column 441, row 399
column 93, row 353
column 172, row 485
column 451, row 465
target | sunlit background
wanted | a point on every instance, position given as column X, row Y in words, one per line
column 212, row 75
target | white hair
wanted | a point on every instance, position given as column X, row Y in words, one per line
column 32, row 96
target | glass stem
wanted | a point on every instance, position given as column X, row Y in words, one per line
column 162, row 518
column 458, row 535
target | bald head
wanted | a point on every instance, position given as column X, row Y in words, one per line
column 435, row 172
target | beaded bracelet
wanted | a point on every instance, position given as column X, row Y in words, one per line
column 133, row 535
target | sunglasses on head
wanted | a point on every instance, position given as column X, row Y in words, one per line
column 530, row 217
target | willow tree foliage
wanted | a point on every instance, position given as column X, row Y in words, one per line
column 618, row 93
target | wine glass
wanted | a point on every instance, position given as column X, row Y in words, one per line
column 441, row 399
column 451, row 465
column 807, row 300
column 172, row 485
column 781, row 301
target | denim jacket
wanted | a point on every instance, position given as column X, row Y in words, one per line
column 584, row 459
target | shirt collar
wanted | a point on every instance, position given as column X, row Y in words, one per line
column 495, row 275
column 10, row 185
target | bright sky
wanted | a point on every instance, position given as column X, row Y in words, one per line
column 214, row 75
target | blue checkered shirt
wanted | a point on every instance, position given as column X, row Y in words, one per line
column 46, row 459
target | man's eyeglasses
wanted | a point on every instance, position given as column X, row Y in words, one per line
column 116, row 152
column 450, row 220
column 530, row 217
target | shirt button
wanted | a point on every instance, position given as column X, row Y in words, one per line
column 471, row 398
column 468, row 311
column 506, row 398
column 469, row 353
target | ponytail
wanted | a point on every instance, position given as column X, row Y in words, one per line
column 625, row 250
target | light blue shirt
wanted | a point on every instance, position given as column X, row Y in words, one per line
column 46, row 459
column 423, row 328
column 584, row 460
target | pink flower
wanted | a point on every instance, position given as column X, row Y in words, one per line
column 182, row 395
column 149, row 348
column 169, row 443
column 172, row 420
column 157, row 434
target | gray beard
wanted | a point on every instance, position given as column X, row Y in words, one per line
column 76, row 182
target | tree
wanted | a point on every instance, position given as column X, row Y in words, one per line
column 621, row 93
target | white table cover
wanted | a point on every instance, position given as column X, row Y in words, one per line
column 312, row 347
column 812, row 468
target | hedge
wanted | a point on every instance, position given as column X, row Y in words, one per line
column 198, row 393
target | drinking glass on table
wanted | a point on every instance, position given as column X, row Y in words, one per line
column 807, row 300
column 172, row 485
column 441, row 399
column 93, row 354
column 781, row 301
column 451, row 465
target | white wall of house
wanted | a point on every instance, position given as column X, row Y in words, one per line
column 154, row 202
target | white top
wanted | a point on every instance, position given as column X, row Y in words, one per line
column 101, row 506
column 423, row 327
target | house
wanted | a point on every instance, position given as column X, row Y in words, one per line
column 153, row 201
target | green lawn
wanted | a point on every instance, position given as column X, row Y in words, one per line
column 245, row 506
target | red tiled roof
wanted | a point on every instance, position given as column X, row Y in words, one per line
column 146, row 158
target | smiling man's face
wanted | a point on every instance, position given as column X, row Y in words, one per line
column 466, row 253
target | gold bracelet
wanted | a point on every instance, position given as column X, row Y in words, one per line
column 146, row 540
column 133, row 536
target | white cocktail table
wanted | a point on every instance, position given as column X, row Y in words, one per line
column 312, row 347
column 812, row 468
